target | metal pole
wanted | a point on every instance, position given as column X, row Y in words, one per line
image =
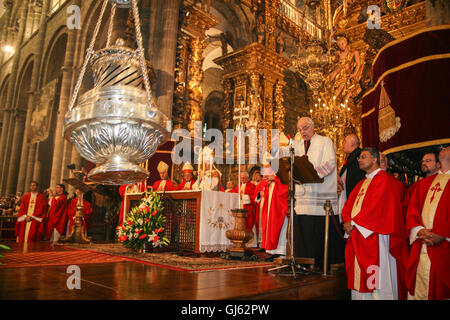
column 327, row 208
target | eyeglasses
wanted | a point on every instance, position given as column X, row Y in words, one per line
column 364, row 157
column 304, row 128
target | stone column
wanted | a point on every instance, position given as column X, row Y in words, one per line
column 7, row 123
column 164, row 51
column 21, row 183
column 13, row 168
column 65, row 96
column 25, row 161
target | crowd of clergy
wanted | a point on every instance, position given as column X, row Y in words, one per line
column 394, row 240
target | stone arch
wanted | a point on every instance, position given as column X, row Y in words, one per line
column 212, row 116
column 3, row 96
column 53, row 59
column 17, row 127
column 22, row 90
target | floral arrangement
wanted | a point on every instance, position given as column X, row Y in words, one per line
column 144, row 224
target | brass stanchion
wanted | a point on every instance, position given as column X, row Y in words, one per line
column 328, row 208
column 77, row 234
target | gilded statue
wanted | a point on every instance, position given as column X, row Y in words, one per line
column 344, row 78
column 259, row 27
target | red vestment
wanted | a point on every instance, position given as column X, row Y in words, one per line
column 87, row 211
column 168, row 187
column 250, row 191
column 258, row 201
column 57, row 216
column 40, row 211
column 272, row 218
column 381, row 212
column 439, row 255
column 122, row 191
column 182, row 184
column 401, row 189
column 409, row 192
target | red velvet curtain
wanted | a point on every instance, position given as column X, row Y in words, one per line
column 415, row 73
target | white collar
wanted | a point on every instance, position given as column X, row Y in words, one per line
column 373, row 174
column 440, row 172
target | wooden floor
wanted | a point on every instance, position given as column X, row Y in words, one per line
column 137, row 281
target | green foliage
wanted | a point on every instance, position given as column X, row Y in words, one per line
column 3, row 247
column 145, row 223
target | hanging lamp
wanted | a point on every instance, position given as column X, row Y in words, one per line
column 116, row 124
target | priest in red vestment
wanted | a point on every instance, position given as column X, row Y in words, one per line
column 273, row 206
column 247, row 199
column 165, row 184
column 376, row 250
column 72, row 208
column 188, row 177
column 230, row 186
column 428, row 221
column 57, row 215
column 429, row 166
column 31, row 216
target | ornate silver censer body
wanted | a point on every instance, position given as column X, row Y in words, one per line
column 116, row 124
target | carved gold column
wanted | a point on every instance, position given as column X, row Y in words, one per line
column 227, row 104
column 279, row 113
column 194, row 26
column 255, row 73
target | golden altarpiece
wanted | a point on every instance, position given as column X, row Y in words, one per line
column 333, row 46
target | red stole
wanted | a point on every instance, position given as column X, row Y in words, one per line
column 168, row 187
column 273, row 212
column 381, row 212
column 250, row 191
column 183, row 184
column 37, row 228
column 439, row 255
column 57, row 216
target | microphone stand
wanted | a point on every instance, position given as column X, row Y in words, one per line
column 291, row 261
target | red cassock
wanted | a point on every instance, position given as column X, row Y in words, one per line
column 182, row 184
column 57, row 216
column 402, row 190
column 381, row 212
column 168, row 187
column 273, row 217
column 87, row 211
column 258, row 188
column 40, row 211
column 409, row 192
column 250, row 191
column 439, row 255
column 122, row 190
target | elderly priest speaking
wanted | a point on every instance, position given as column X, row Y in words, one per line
column 309, row 219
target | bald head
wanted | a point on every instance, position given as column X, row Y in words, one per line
column 351, row 143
